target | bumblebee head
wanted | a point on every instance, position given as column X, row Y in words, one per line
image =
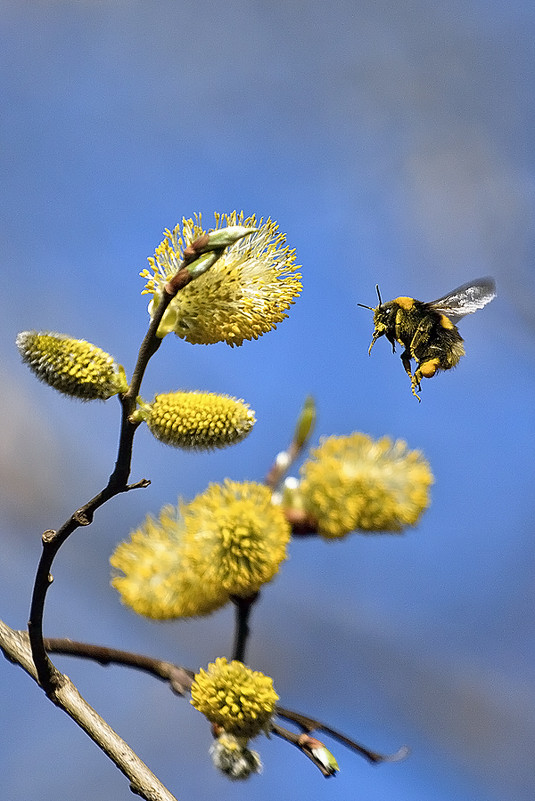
column 379, row 318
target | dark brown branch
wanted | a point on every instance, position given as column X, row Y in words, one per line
column 55, row 684
column 243, row 608
column 49, row 678
column 308, row 724
column 180, row 679
column 303, row 525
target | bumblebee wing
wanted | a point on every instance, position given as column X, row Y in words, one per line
column 466, row 299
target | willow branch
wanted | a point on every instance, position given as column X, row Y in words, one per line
column 57, row 686
column 243, row 608
column 180, row 679
column 16, row 648
column 49, row 677
column 308, row 724
column 303, row 524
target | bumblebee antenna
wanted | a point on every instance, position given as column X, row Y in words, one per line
column 371, row 307
column 378, row 294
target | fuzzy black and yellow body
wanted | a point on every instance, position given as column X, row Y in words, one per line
column 428, row 331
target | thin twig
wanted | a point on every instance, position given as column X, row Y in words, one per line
column 302, row 523
column 308, row 724
column 180, row 678
column 243, row 608
column 50, row 678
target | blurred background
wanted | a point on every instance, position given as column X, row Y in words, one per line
column 393, row 143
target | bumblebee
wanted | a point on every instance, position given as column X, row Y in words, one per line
column 428, row 331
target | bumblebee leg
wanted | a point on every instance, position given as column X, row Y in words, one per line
column 415, row 385
column 426, row 369
column 392, row 341
column 406, row 361
column 415, row 380
column 420, row 349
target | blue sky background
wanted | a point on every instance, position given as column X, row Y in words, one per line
column 393, row 143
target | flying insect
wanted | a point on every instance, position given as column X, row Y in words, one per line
column 428, row 331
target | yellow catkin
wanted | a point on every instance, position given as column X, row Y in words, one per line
column 242, row 296
column 199, row 420
column 233, row 696
column 357, row 483
column 239, row 534
column 72, row 366
column 156, row 576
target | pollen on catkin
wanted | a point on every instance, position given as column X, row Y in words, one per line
column 72, row 366
column 230, row 540
column 156, row 574
column 357, row 483
column 238, row 533
column 245, row 293
column 231, row 695
column 198, row 420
